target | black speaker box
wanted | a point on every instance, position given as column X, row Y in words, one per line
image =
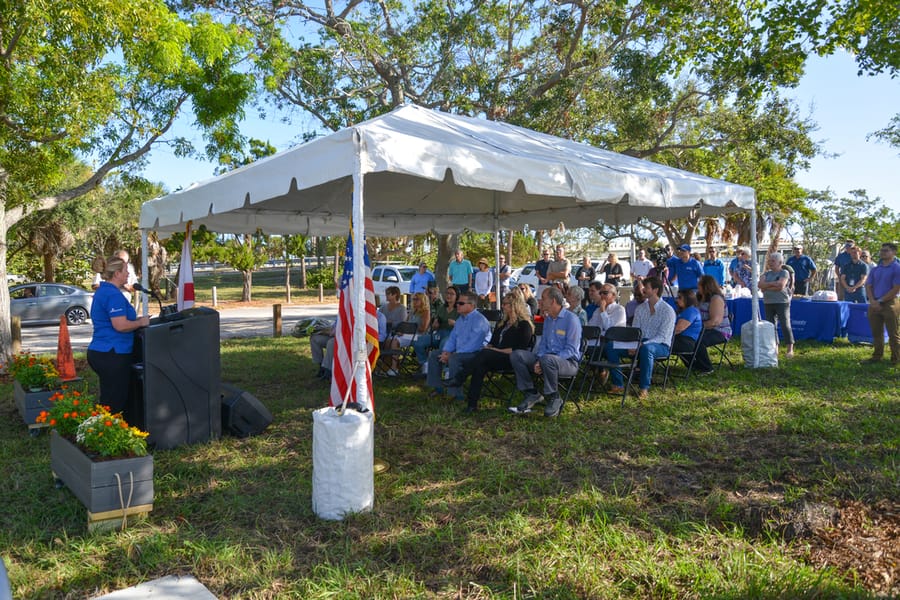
column 175, row 388
column 243, row 414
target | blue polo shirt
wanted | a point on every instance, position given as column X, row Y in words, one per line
column 459, row 272
column 803, row 267
column 688, row 273
column 691, row 314
column 716, row 269
column 109, row 302
column 419, row 281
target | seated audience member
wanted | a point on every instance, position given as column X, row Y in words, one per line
column 574, row 297
column 556, row 355
column 688, row 325
column 656, row 320
column 609, row 312
column 716, row 326
column 434, row 297
column 443, row 319
column 421, row 316
column 393, row 309
column 515, row 331
column 529, row 298
column 318, row 345
column 637, row 297
column 470, row 333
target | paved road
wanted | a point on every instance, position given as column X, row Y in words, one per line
column 233, row 322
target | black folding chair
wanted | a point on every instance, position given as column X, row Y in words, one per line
column 492, row 315
column 720, row 348
column 404, row 355
column 590, row 337
column 629, row 337
column 673, row 359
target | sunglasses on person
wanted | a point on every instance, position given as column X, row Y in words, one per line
column 461, row 303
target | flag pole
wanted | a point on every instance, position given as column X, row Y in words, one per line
column 360, row 356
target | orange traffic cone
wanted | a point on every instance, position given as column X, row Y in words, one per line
column 65, row 361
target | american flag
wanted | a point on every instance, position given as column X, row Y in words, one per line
column 342, row 369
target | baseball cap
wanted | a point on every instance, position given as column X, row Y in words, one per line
column 685, row 247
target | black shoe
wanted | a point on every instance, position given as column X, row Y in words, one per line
column 326, row 375
column 554, row 405
column 470, row 409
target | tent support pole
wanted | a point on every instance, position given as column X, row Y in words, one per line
column 754, row 288
column 496, row 253
column 360, row 358
column 145, row 273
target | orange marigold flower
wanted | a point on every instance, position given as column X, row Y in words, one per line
column 108, row 423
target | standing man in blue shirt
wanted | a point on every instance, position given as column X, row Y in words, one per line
column 713, row 266
column 804, row 270
column 840, row 261
column 687, row 270
column 460, row 272
column 420, row 280
column 469, row 335
column 557, row 355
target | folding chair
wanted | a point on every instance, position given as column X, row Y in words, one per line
column 629, row 337
column 721, row 347
column 589, row 333
column 405, row 355
column 492, row 315
column 687, row 357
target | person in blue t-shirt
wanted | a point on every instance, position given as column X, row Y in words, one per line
column 713, row 265
column 688, row 325
column 420, row 279
column 687, row 270
column 115, row 320
column 804, row 270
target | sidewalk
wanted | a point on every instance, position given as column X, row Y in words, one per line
column 233, row 322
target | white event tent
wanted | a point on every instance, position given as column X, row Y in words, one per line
column 415, row 170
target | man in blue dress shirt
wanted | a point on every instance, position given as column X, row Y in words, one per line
column 556, row 355
column 469, row 335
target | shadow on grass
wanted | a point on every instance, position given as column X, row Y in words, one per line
column 677, row 496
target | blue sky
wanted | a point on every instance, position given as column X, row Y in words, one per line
column 846, row 107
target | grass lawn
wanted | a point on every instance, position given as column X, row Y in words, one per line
column 744, row 484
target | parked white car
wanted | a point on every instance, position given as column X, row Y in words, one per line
column 384, row 276
column 528, row 275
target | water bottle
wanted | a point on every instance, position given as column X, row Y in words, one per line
column 445, row 373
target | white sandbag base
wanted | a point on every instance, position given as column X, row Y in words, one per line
column 768, row 344
column 343, row 458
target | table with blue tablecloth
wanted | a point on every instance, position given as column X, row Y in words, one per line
column 822, row 321
column 858, row 330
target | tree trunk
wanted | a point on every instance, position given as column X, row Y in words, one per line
column 447, row 244
column 287, row 278
column 5, row 332
column 49, row 268
column 248, row 283
column 302, row 271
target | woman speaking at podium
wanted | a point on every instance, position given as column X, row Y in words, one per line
column 114, row 319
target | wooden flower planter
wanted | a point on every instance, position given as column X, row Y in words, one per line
column 110, row 489
column 31, row 404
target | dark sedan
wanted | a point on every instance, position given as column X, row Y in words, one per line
column 47, row 302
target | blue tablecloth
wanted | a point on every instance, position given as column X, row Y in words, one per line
column 810, row 320
column 858, row 330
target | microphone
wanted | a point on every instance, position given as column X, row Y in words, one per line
column 139, row 288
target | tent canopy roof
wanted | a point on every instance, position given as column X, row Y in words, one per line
column 426, row 170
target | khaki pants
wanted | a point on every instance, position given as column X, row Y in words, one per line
column 881, row 316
